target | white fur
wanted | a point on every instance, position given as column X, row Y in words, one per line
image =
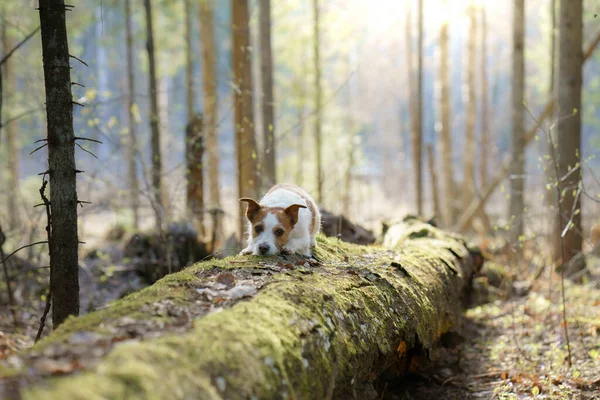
column 300, row 240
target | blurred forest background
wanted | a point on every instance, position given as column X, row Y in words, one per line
column 379, row 109
column 365, row 112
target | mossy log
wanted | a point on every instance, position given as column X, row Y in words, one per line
column 260, row 328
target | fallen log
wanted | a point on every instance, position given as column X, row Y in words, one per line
column 261, row 327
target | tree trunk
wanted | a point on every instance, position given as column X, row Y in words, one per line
column 470, row 108
column 269, row 176
column 209, row 55
column 517, row 179
column 485, row 114
column 326, row 331
column 448, row 182
column 434, row 180
column 62, row 236
column 12, row 147
column 189, row 63
column 156, row 163
column 194, row 143
column 318, row 100
column 418, row 134
column 244, row 118
column 195, row 178
column 570, row 65
column 132, row 148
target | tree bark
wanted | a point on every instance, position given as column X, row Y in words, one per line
column 244, row 118
column 517, row 179
column 318, row 100
column 570, row 64
column 189, row 63
column 156, row 163
column 485, row 114
column 445, row 132
column 325, row 331
column 418, row 138
column 434, row 181
column 12, row 147
column 132, row 148
column 470, row 108
column 194, row 151
column 269, row 177
column 209, row 55
column 62, row 236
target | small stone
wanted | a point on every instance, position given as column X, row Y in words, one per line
column 227, row 279
column 241, row 291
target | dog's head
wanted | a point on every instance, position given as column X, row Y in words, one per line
column 270, row 226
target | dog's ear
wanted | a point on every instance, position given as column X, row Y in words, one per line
column 292, row 212
column 253, row 207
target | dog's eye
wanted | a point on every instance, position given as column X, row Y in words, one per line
column 258, row 228
column 279, row 232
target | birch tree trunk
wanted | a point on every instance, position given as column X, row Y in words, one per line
column 189, row 62
column 445, row 139
column 156, row 163
column 269, row 176
column 485, row 114
column 470, row 108
column 570, row 65
column 12, row 147
column 62, row 236
column 132, row 148
column 209, row 55
column 318, row 100
column 418, row 138
column 244, row 118
column 517, row 178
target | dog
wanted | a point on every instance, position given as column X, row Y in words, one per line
column 286, row 220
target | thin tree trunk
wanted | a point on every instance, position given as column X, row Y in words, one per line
column 194, row 151
column 485, row 115
column 434, row 180
column 300, row 149
column 470, row 108
column 132, row 150
column 448, row 183
column 268, row 102
column 418, row 134
column 189, row 62
column 551, row 196
column 551, row 83
column 62, row 236
column 410, row 68
column 570, row 65
column 209, row 55
column 194, row 147
column 517, row 179
column 154, row 122
column 244, row 119
column 12, row 148
column 318, row 100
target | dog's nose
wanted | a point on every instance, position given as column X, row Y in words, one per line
column 263, row 248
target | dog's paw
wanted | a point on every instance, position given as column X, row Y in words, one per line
column 246, row 252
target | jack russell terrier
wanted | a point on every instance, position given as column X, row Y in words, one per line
column 286, row 220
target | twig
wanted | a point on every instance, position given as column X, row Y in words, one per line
column 10, row 53
column 39, row 148
column 87, row 151
column 88, row 139
column 21, row 248
column 43, row 317
column 80, row 60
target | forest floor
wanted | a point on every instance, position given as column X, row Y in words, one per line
column 513, row 344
